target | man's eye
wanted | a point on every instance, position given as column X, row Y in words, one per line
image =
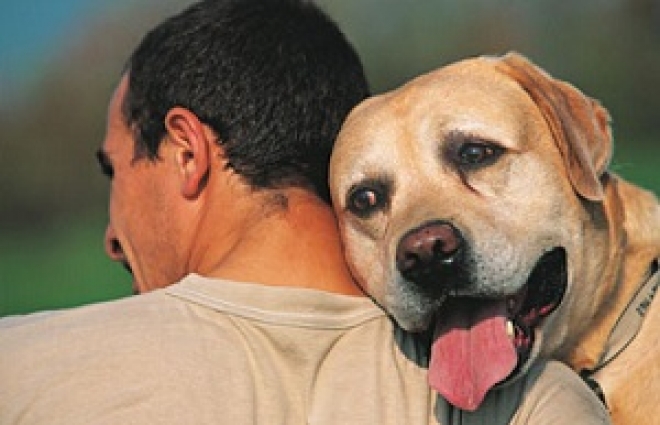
column 365, row 200
column 105, row 164
column 478, row 153
column 108, row 171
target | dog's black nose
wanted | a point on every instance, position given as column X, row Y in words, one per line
column 431, row 253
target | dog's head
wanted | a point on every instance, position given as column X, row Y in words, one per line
column 463, row 201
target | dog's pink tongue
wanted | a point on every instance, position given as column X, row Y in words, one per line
column 471, row 353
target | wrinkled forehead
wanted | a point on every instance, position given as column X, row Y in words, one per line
column 464, row 87
column 470, row 96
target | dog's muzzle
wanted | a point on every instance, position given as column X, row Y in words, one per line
column 490, row 336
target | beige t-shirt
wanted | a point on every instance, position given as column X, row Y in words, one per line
column 212, row 352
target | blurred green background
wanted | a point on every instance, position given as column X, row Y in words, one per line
column 60, row 60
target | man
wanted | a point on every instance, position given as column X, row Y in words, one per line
column 233, row 109
column 217, row 144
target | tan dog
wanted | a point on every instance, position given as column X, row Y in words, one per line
column 476, row 200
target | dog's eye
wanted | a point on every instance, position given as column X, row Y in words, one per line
column 477, row 153
column 364, row 200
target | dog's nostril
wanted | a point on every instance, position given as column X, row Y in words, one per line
column 408, row 261
column 429, row 249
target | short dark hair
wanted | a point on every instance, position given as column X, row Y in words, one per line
column 273, row 78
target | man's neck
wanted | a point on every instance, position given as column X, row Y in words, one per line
column 290, row 240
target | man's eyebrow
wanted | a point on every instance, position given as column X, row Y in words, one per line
column 105, row 163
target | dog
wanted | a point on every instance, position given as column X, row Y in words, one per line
column 476, row 200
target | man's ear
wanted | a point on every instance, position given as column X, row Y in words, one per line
column 192, row 141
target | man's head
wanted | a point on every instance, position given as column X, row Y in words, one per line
column 254, row 89
column 274, row 80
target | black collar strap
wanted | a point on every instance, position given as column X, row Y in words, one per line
column 594, row 385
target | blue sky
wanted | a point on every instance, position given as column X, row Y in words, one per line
column 30, row 31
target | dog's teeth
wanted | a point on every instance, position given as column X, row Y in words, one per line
column 510, row 330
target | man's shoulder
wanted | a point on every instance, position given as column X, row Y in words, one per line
column 145, row 356
column 87, row 323
column 88, row 317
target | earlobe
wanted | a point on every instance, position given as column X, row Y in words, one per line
column 192, row 143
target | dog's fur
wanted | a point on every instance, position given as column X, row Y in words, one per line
column 407, row 158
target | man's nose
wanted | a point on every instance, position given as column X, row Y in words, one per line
column 112, row 246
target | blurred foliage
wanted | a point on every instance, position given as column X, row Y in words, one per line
column 57, row 265
column 53, row 200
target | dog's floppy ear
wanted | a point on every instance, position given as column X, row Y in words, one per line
column 580, row 125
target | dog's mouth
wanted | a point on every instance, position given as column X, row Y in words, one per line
column 540, row 296
column 482, row 342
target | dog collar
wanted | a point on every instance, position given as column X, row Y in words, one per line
column 626, row 327
column 629, row 323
